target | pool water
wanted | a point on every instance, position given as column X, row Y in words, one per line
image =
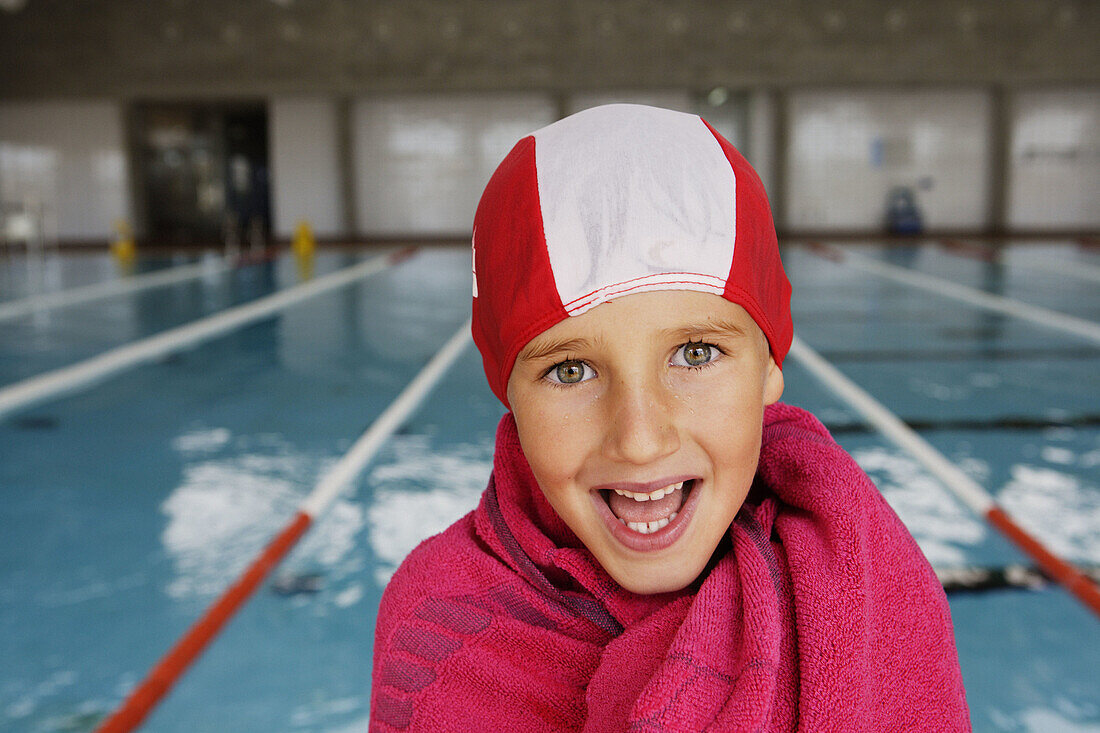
column 131, row 504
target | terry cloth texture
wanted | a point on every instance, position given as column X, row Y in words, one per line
column 615, row 200
column 820, row 614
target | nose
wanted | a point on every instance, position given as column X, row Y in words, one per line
column 640, row 422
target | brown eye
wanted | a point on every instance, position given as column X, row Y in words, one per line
column 569, row 372
column 697, row 354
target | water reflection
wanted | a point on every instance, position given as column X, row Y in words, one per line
column 938, row 522
column 419, row 493
column 235, row 495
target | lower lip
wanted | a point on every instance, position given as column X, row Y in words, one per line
column 653, row 541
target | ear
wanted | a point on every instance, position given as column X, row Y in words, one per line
column 773, row 382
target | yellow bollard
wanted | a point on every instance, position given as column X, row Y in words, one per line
column 304, row 246
column 123, row 245
column 304, row 243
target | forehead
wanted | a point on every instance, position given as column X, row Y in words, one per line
column 673, row 315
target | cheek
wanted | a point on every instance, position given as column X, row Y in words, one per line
column 727, row 422
column 553, row 440
column 722, row 399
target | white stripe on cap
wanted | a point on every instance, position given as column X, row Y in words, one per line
column 653, row 209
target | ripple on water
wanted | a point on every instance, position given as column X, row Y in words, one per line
column 941, row 525
column 227, row 509
column 1058, row 508
column 419, row 493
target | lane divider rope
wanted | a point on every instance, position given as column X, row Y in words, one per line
column 964, row 487
column 110, row 288
column 973, row 250
column 68, row 379
column 1042, row 316
column 166, row 672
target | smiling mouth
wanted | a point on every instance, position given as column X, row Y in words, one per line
column 648, row 512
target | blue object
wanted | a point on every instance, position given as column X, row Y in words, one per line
column 902, row 214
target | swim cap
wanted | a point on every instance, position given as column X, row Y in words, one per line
column 616, row 200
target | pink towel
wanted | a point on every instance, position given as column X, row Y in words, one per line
column 820, row 614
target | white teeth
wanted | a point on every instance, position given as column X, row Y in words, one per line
column 653, row 495
column 650, row 527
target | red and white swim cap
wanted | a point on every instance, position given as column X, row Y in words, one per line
column 617, row 200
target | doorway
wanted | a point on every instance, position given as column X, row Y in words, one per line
column 203, row 173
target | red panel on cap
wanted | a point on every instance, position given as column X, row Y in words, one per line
column 509, row 245
column 757, row 281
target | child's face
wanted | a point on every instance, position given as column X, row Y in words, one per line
column 651, row 391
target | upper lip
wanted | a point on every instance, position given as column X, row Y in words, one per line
column 645, row 487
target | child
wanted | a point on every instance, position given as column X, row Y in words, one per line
column 662, row 545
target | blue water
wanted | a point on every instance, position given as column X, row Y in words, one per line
column 51, row 339
column 129, row 506
column 22, row 276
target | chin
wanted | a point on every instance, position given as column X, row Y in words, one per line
column 657, row 580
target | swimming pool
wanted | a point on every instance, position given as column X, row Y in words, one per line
column 130, row 504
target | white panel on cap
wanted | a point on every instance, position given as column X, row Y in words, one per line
column 634, row 198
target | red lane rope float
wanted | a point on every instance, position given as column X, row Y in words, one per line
column 973, row 250
column 255, row 257
column 173, row 664
column 161, row 678
column 1058, row 569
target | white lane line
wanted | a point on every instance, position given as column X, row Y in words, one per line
column 68, row 379
column 121, row 286
column 973, row 495
column 360, row 454
column 1042, row 316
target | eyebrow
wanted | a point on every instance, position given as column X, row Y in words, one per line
column 692, row 332
column 534, row 352
column 709, row 329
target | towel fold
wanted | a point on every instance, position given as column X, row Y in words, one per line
column 819, row 613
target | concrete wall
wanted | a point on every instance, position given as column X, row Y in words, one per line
column 305, row 166
column 417, row 163
column 128, row 48
column 421, row 162
column 989, row 107
column 848, row 149
column 1054, row 160
column 67, row 160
